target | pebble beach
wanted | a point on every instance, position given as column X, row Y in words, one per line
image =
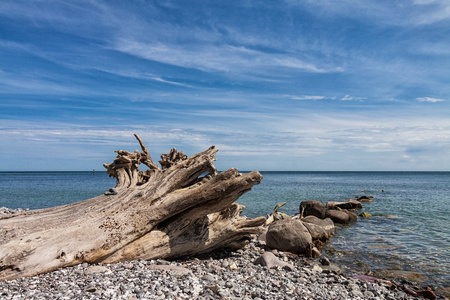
column 220, row 275
column 217, row 275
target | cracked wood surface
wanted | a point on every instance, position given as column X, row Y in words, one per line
column 163, row 212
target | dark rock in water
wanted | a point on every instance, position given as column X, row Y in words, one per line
column 270, row 260
column 350, row 204
column 327, row 224
column 288, row 235
column 341, row 216
column 364, row 198
column 111, row 191
column 312, row 208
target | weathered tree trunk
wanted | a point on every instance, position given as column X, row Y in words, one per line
column 160, row 213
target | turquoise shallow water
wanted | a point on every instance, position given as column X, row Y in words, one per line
column 409, row 230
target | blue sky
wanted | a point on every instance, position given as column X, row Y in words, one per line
column 275, row 85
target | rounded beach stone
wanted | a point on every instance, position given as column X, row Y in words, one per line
column 341, row 216
column 312, row 207
column 317, row 232
column 288, row 235
column 97, row 269
column 270, row 260
column 327, row 224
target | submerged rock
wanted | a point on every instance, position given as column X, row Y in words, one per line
column 365, row 215
column 365, row 198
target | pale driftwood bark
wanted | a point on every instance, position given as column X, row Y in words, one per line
column 160, row 213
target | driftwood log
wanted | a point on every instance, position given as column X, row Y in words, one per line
column 183, row 208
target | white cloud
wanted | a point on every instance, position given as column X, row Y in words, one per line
column 258, row 135
column 308, row 97
column 429, row 99
column 351, row 98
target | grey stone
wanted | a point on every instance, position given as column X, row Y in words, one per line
column 208, row 277
column 317, row 269
column 288, row 235
column 97, row 269
column 327, row 224
column 341, row 216
column 270, row 260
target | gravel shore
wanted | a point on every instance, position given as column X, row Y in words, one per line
column 217, row 275
column 224, row 275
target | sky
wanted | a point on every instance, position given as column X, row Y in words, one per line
column 287, row 85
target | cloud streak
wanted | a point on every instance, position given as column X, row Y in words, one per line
column 292, row 85
column 429, row 99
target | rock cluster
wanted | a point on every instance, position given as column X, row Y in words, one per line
column 306, row 233
column 250, row 273
column 338, row 212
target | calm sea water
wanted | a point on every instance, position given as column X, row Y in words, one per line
column 408, row 235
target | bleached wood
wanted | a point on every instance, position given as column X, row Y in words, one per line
column 160, row 213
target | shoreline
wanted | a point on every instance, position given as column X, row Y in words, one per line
column 216, row 275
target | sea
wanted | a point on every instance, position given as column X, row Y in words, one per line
column 408, row 235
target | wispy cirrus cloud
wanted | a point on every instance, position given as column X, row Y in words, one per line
column 213, row 58
column 384, row 12
column 352, row 98
column 429, row 99
column 308, row 97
